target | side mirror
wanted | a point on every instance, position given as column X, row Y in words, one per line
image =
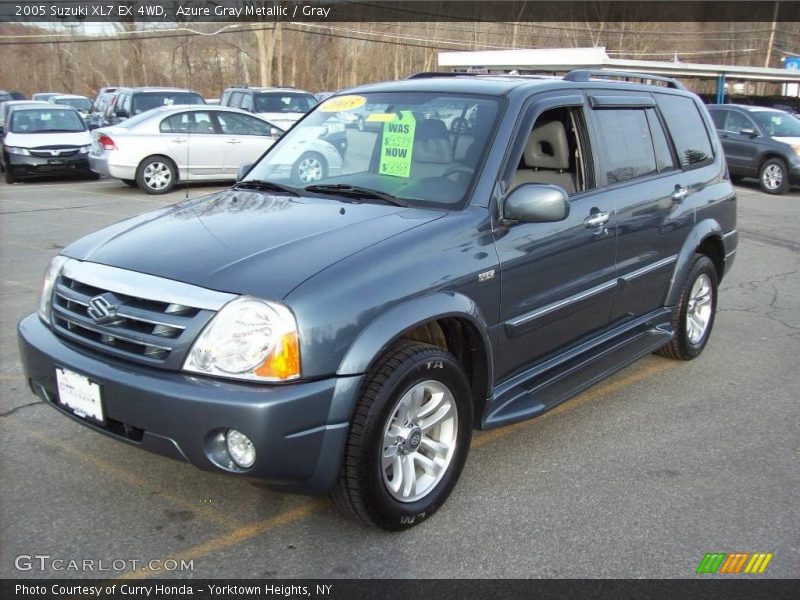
column 275, row 132
column 751, row 132
column 536, row 203
column 243, row 170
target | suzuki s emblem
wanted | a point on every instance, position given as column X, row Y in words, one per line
column 102, row 309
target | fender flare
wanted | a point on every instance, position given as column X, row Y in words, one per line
column 380, row 333
column 705, row 229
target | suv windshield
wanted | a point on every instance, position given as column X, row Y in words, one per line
column 146, row 101
column 777, row 124
column 45, row 120
column 83, row 104
column 284, row 102
column 423, row 148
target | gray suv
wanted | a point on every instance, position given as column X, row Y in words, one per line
column 347, row 336
column 760, row 142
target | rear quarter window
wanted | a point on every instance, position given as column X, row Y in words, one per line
column 687, row 128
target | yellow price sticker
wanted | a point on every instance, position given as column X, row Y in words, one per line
column 342, row 104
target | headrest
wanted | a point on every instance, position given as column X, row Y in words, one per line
column 547, row 147
column 432, row 142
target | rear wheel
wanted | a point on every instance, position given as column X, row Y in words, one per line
column 156, row 175
column 409, row 438
column 310, row 167
column 774, row 176
column 693, row 317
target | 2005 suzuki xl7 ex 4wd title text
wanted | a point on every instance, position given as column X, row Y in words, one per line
column 488, row 247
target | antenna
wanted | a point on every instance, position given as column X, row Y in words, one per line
column 188, row 151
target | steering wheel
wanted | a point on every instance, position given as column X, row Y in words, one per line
column 456, row 169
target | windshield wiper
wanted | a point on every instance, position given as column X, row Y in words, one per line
column 264, row 185
column 354, row 191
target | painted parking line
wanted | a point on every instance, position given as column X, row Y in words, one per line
column 235, row 537
column 248, row 532
column 122, row 475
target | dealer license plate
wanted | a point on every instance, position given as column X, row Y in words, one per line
column 80, row 395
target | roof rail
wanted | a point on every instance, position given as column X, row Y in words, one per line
column 584, row 75
column 431, row 74
column 239, row 85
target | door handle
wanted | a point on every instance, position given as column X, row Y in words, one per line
column 234, row 142
column 596, row 220
column 179, row 141
column 680, row 193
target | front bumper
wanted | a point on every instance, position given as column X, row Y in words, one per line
column 34, row 166
column 299, row 430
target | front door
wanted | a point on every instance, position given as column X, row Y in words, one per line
column 557, row 279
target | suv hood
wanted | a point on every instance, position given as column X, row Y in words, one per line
column 246, row 242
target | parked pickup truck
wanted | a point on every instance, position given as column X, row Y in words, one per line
column 348, row 335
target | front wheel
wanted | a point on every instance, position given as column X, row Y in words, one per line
column 409, row 438
column 156, row 175
column 774, row 176
column 693, row 317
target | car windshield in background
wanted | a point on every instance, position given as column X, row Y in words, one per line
column 82, row 104
column 284, row 103
column 421, row 148
column 45, row 120
column 143, row 102
column 777, row 124
column 4, row 97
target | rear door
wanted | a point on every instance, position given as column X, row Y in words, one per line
column 557, row 279
column 193, row 141
column 654, row 210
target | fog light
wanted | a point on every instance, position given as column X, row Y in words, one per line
column 240, row 448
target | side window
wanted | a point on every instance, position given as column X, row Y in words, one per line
column 126, row 102
column 626, row 148
column 226, row 97
column 189, row 122
column 233, row 124
column 736, row 121
column 665, row 161
column 247, row 102
column 554, row 152
column 718, row 116
column 175, row 124
column 236, row 99
column 687, row 128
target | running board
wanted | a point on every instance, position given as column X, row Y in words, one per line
column 548, row 384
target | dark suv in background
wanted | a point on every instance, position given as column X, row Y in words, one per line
column 348, row 335
column 760, row 142
column 132, row 101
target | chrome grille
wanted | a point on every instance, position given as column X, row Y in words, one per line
column 137, row 327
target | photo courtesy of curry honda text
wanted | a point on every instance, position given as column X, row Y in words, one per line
column 345, row 334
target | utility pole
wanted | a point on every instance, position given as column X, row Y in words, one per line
column 771, row 42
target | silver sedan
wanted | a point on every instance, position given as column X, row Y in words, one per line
column 157, row 148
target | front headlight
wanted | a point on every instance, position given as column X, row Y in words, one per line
column 248, row 339
column 84, row 149
column 50, row 276
column 18, row 150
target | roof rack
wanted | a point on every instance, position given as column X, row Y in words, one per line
column 584, row 75
column 431, row 74
column 239, row 85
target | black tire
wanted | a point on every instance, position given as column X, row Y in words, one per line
column 92, row 176
column 682, row 346
column 130, row 183
column 737, row 178
column 10, row 177
column 773, row 176
column 361, row 491
column 162, row 165
column 304, row 173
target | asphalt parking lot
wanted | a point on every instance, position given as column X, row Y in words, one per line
column 640, row 476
